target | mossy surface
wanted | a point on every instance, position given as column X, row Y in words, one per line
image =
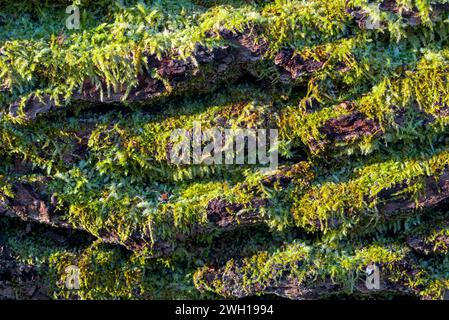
column 357, row 90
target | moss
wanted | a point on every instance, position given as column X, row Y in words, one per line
column 298, row 265
column 357, row 89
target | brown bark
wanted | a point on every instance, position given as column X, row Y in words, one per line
column 18, row 280
column 231, row 282
column 411, row 17
column 201, row 72
column 436, row 191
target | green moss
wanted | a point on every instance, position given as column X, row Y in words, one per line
column 343, row 197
